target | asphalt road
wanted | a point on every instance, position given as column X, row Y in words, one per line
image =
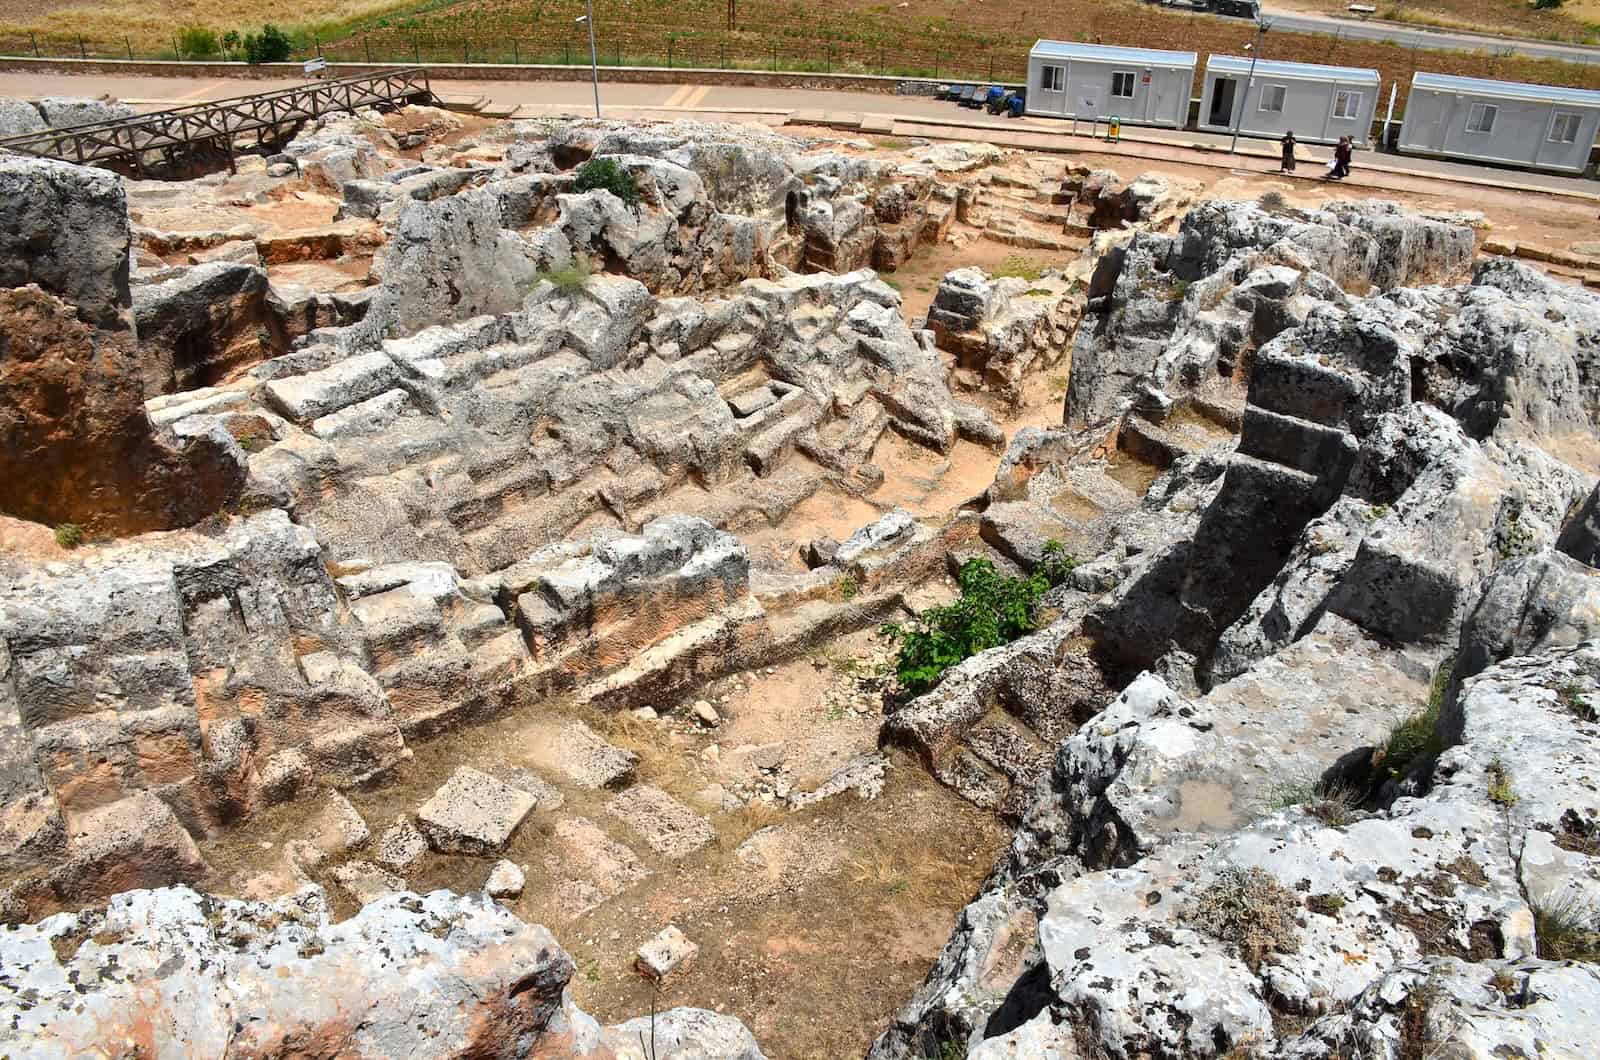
column 1430, row 39
column 903, row 115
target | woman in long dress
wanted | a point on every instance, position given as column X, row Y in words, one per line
column 1288, row 143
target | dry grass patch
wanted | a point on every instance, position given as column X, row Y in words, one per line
column 150, row 26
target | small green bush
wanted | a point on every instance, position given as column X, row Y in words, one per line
column 1547, row 5
column 992, row 610
column 1418, row 735
column 197, row 41
column 1566, row 930
column 1057, row 564
column 69, row 535
column 1273, row 201
column 271, row 45
column 1501, row 791
column 603, row 174
column 231, row 42
column 845, row 587
column 569, row 278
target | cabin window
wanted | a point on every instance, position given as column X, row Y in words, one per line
column 1480, row 119
column 1564, row 129
column 1122, row 84
column 1346, row 105
column 1272, row 97
column 1051, row 78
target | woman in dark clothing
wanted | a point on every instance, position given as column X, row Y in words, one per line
column 1288, row 152
column 1342, row 155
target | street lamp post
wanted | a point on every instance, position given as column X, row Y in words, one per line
column 1262, row 25
column 594, row 61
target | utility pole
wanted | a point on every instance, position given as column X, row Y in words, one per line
column 733, row 14
column 594, row 60
column 1262, row 25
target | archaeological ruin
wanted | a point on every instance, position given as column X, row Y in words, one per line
column 805, row 596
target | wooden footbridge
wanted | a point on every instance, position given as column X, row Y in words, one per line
column 167, row 139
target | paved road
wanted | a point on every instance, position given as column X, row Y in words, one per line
column 902, row 115
column 1430, row 39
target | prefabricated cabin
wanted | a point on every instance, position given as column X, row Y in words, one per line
column 1318, row 103
column 1505, row 122
column 1094, row 81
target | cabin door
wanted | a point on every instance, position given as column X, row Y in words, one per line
column 1051, row 88
column 1222, row 95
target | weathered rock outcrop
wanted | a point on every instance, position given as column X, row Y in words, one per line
column 203, row 325
column 1177, row 313
column 1335, row 410
column 1180, row 911
column 171, row 973
column 71, row 389
column 1099, row 198
column 18, row 116
column 1004, row 329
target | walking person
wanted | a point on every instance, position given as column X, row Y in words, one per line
column 1342, row 155
column 1288, row 143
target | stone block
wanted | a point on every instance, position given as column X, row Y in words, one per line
column 667, row 825
column 665, row 952
column 473, row 813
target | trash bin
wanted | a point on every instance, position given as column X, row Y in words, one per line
column 1019, row 103
column 1114, row 131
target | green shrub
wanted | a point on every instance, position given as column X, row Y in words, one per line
column 1273, row 201
column 1418, row 735
column 231, row 42
column 1501, row 790
column 1547, row 5
column 271, row 45
column 568, row 278
column 603, row 174
column 1057, row 564
column 992, row 610
column 1565, row 929
column 197, row 41
column 69, row 535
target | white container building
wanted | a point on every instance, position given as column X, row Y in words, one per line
column 1090, row 81
column 1318, row 103
column 1505, row 122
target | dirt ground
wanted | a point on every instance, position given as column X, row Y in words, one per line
column 814, row 925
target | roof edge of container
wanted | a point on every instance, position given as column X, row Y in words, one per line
column 1283, row 68
column 1522, row 90
column 1059, row 49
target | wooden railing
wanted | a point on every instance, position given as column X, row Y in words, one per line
column 171, row 136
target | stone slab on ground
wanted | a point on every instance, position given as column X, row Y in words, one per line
column 591, row 866
column 366, row 882
column 665, row 952
column 401, row 845
column 335, row 828
column 670, row 827
column 549, row 796
column 473, row 813
column 586, row 759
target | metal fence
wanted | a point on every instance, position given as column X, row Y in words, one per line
column 1003, row 63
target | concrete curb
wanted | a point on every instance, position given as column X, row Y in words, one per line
column 643, row 75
